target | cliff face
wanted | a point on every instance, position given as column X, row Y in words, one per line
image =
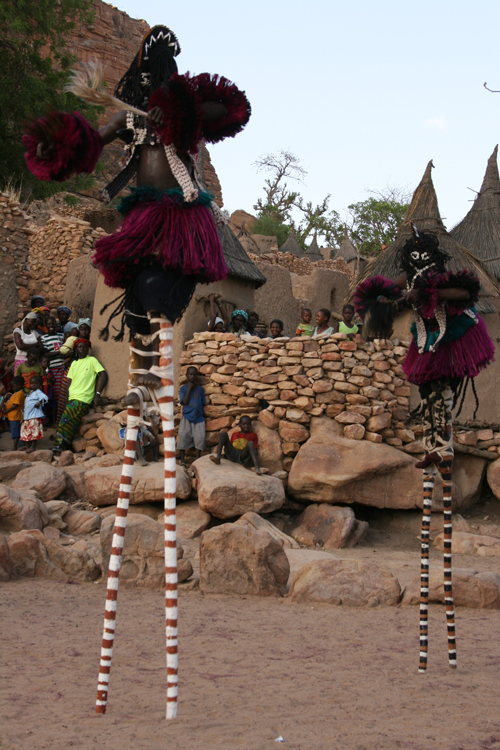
column 114, row 39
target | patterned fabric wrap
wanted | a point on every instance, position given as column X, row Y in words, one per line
column 31, row 429
column 160, row 226
column 429, row 285
column 70, row 421
column 181, row 102
column 78, row 146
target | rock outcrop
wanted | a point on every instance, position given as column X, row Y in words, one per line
column 470, row 588
column 328, row 526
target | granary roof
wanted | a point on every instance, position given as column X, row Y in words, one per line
column 424, row 212
column 479, row 231
column 347, row 251
column 291, row 245
column 238, row 263
column 313, row 251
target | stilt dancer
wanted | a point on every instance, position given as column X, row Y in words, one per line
column 166, row 245
column 450, row 345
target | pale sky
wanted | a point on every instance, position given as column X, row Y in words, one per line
column 364, row 93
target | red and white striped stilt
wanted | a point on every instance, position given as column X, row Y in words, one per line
column 115, row 560
column 165, row 398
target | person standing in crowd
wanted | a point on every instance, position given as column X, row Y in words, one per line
column 253, row 322
column 25, row 338
column 32, row 424
column 192, row 426
column 52, row 342
column 322, row 319
column 37, row 301
column 217, row 323
column 276, row 328
column 87, row 378
column 346, row 325
column 29, row 368
column 41, row 315
column 305, row 327
column 14, row 409
column 66, row 326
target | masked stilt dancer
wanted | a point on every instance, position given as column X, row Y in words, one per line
column 166, row 245
column 450, row 345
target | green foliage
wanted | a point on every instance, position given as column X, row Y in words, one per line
column 271, row 226
column 71, row 200
column 34, row 65
column 373, row 222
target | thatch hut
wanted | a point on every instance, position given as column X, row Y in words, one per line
column 479, row 231
column 424, row 212
column 291, row 245
column 313, row 252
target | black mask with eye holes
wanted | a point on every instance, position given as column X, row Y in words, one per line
column 420, row 252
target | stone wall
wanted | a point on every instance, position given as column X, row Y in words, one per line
column 15, row 273
column 360, row 387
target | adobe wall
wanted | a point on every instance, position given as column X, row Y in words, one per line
column 14, row 267
column 359, row 386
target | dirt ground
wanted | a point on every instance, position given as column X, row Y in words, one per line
column 251, row 670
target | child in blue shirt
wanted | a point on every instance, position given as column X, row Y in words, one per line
column 32, row 427
column 192, row 426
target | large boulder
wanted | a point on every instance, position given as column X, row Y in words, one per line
column 10, row 469
column 470, row 588
column 255, row 521
column 333, row 469
column 143, row 556
column 242, row 560
column 102, row 484
column 47, row 480
column 6, row 564
column 328, row 526
column 152, row 510
column 81, row 522
column 75, row 481
column 191, row 520
column 230, row 490
column 493, row 475
column 270, row 453
column 355, row 583
column 463, row 543
column 468, row 474
column 109, row 435
column 21, row 510
column 34, row 556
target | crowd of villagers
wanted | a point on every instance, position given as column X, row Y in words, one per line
column 54, row 381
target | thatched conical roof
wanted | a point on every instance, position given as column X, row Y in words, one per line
column 347, row 251
column 291, row 245
column 424, row 212
column 313, row 251
column 237, row 261
column 479, row 231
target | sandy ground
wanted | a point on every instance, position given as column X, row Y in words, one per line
column 251, row 669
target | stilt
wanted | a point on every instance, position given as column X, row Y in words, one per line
column 424, row 566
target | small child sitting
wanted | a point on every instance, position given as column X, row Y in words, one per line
column 32, row 425
column 241, row 448
column 305, row 327
column 346, row 325
column 14, row 408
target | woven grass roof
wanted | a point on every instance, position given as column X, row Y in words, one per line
column 347, row 251
column 479, row 231
column 424, row 212
column 313, row 251
column 291, row 245
column 237, row 261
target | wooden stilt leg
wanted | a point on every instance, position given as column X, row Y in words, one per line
column 133, row 415
column 424, row 566
column 445, row 468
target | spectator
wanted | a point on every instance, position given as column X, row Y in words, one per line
column 217, row 323
column 84, row 327
column 14, row 409
column 86, row 378
column 305, row 327
column 37, row 301
column 65, row 324
column 241, row 448
column 48, row 388
column 41, row 313
column 52, row 342
column 239, row 320
column 192, row 426
column 25, row 338
column 29, row 368
column 276, row 328
column 253, row 322
column 5, row 375
column 322, row 319
column 32, row 424
column 346, row 325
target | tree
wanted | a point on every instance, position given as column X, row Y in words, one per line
column 374, row 221
column 279, row 199
column 34, row 65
